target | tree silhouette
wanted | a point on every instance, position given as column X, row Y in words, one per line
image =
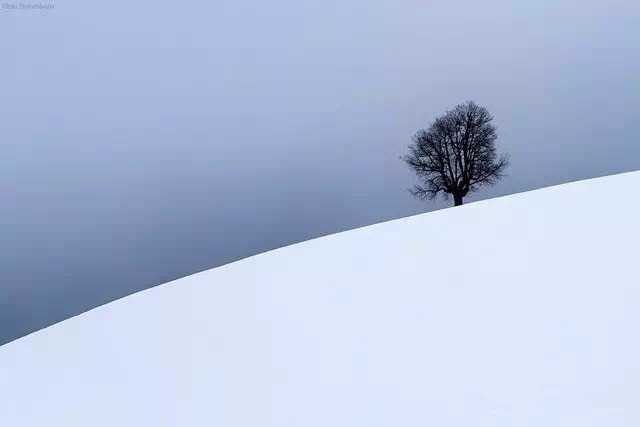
column 456, row 154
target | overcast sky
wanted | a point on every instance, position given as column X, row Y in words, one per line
column 142, row 141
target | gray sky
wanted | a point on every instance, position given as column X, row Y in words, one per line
column 143, row 141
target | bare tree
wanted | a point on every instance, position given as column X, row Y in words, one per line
column 456, row 154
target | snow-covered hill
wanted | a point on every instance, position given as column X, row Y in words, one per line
column 517, row 311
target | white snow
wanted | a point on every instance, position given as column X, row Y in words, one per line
column 517, row 311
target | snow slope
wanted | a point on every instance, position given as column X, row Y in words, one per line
column 378, row 326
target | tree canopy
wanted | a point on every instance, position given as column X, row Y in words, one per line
column 456, row 154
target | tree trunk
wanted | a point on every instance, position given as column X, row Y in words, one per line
column 457, row 200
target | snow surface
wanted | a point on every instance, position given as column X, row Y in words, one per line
column 517, row 311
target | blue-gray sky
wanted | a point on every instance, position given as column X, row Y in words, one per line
column 143, row 141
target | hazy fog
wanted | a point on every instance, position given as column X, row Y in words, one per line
column 143, row 141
